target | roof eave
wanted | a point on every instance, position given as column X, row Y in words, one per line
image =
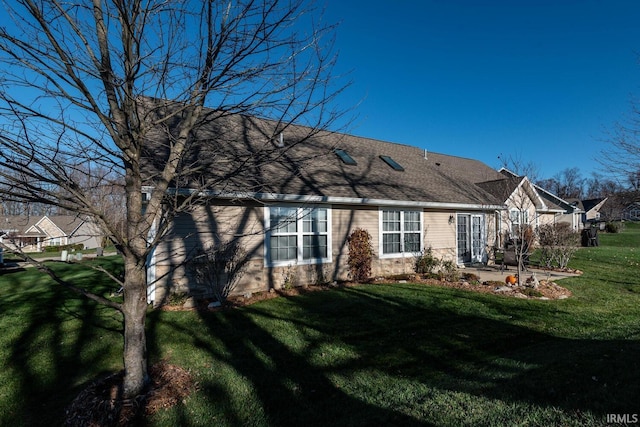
column 297, row 198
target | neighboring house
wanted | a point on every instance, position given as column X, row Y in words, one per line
column 631, row 212
column 292, row 206
column 590, row 209
column 549, row 208
column 32, row 234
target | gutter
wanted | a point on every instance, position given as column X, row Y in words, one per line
column 270, row 197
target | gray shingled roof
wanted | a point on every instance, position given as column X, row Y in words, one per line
column 553, row 203
column 501, row 188
column 67, row 223
column 235, row 153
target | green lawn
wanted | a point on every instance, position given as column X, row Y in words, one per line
column 402, row 354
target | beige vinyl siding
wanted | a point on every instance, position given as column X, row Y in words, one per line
column 88, row 234
column 440, row 234
column 547, row 218
column 346, row 219
column 53, row 232
column 225, row 221
column 201, row 228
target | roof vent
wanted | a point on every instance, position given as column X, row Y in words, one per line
column 425, row 154
column 279, row 142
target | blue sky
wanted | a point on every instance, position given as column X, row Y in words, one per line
column 538, row 81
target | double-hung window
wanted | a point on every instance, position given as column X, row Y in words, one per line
column 401, row 232
column 298, row 235
column 519, row 220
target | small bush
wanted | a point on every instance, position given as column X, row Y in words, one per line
column 449, row 271
column 611, row 227
column 530, row 292
column 75, row 247
column 558, row 242
column 471, row 278
column 493, row 283
column 360, row 255
column 290, row 278
column 426, row 263
column 177, row 299
column 219, row 267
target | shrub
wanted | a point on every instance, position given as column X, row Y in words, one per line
column 60, row 248
column 290, row 278
column 426, row 263
column 449, row 271
column 360, row 255
column 611, row 227
column 471, row 278
column 530, row 292
column 219, row 268
column 558, row 242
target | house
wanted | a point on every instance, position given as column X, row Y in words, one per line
column 549, row 208
column 34, row 233
column 590, row 209
column 290, row 198
column 631, row 212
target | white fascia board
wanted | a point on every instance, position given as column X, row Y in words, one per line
column 296, row 198
column 555, row 211
column 533, row 193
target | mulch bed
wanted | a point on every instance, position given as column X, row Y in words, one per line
column 100, row 404
column 545, row 289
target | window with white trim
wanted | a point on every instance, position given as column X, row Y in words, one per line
column 55, row 241
column 401, row 232
column 298, row 235
column 518, row 218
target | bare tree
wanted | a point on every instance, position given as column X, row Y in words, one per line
column 557, row 244
column 567, row 184
column 517, row 165
column 76, row 76
column 518, row 222
column 599, row 186
column 621, row 156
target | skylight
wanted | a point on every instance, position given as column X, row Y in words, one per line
column 395, row 165
column 345, row 157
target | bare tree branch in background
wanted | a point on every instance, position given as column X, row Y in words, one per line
column 621, row 156
column 517, row 165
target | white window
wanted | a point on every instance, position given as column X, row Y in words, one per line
column 297, row 235
column 401, row 232
column 55, row 241
column 518, row 219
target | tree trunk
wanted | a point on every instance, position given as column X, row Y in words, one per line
column 135, row 341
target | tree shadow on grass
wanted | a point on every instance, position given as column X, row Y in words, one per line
column 58, row 343
column 282, row 388
column 394, row 345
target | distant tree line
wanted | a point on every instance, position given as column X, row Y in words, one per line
column 106, row 195
column 621, row 187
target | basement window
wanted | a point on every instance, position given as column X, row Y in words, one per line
column 345, row 157
column 395, row 165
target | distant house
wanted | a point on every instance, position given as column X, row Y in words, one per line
column 590, row 209
column 35, row 233
column 292, row 205
column 549, row 208
column 631, row 212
